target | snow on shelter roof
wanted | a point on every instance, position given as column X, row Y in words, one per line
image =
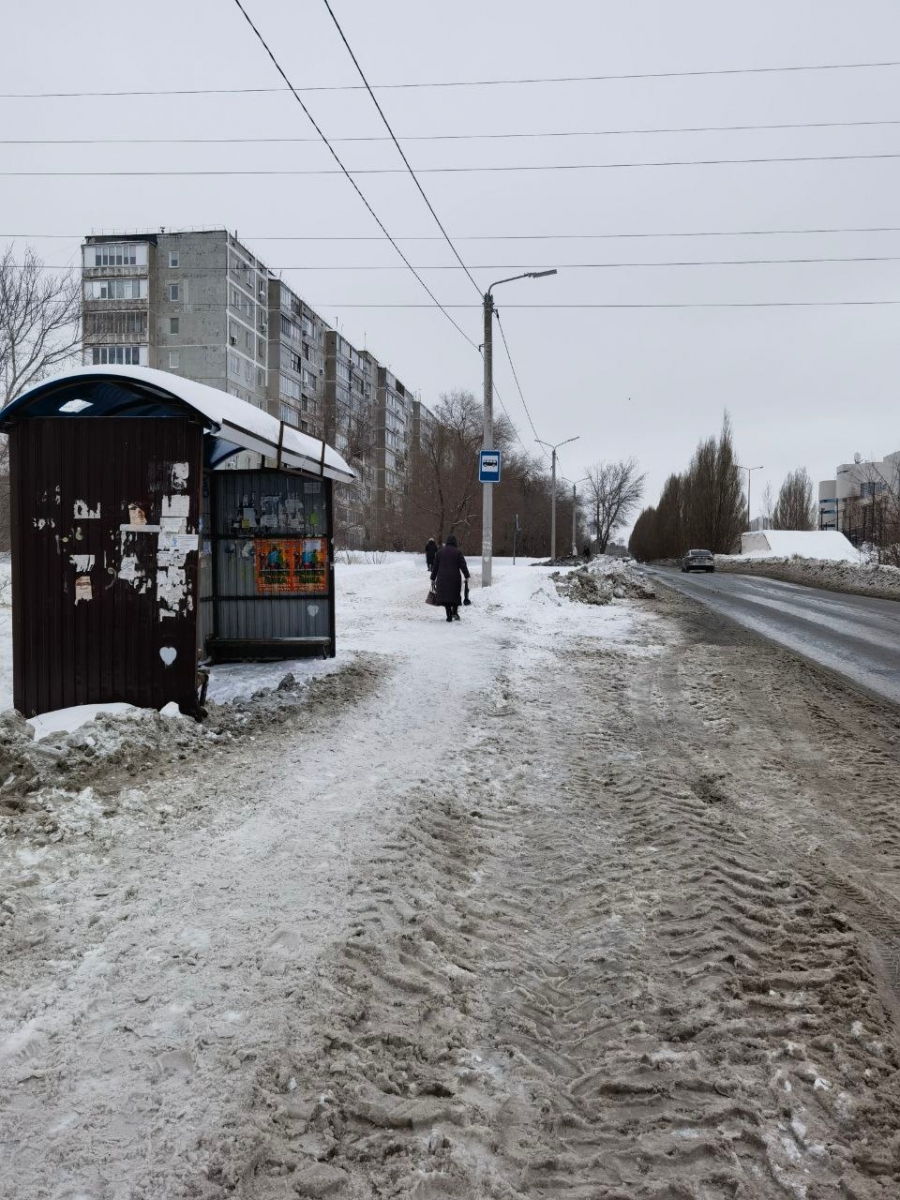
column 235, row 424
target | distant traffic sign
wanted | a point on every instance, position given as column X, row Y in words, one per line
column 489, row 466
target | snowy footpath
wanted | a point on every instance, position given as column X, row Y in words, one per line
column 563, row 900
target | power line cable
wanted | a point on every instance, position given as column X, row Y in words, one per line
column 463, row 83
column 345, row 172
column 491, row 169
column 406, row 161
column 320, row 306
column 501, row 237
column 573, row 266
column 450, row 137
column 515, row 375
column 512, row 424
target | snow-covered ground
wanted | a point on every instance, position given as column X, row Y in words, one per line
column 540, row 903
column 150, row 926
column 366, row 585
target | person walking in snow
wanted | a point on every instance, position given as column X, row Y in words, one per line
column 431, row 550
column 447, row 575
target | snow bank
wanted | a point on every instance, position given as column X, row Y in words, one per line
column 857, row 578
column 825, row 544
column 604, row 580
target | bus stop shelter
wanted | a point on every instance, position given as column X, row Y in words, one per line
column 136, row 552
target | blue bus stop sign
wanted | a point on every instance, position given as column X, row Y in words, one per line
column 489, row 466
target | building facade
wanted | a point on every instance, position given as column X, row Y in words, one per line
column 296, row 388
column 195, row 303
column 200, row 304
column 850, row 502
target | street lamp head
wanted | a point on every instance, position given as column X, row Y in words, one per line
column 540, row 274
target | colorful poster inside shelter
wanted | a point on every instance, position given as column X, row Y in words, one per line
column 297, row 566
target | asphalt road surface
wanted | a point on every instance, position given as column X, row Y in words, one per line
column 856, row 636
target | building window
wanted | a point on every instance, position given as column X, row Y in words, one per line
column 118, row 356
column 289, row 415
column 289, row 389
column 116, row 254
column 174, row 291
column 173, row 258
column 234, row 366
column 869, row 490
column 174, row 360
column 174, row 324
column 115, row 289
column 110, row 326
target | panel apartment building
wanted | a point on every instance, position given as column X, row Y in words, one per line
column 201, row 304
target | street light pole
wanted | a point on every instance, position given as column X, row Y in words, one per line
column 487, row 494
column 487, row 441
column 575, row 513
column 748, row 470
column 553, row 449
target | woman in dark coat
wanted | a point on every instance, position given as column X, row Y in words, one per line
column 430, row 553
column 446, row 574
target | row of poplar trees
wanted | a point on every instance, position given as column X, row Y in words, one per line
column 701, row 508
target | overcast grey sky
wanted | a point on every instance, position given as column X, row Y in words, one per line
column 805, row 386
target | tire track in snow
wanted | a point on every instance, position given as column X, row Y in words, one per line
column 587, row 972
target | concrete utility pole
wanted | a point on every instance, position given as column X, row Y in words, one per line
column 487, row 442
column 748, row 470
column 553, row 449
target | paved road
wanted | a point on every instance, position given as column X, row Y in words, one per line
column 856, row 636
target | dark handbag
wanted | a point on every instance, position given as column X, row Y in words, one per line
column 466, row 600
column 431, row 598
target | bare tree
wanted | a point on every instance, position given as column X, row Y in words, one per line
column 767, row 506
column 614, row 491
column 39, row 331
column 794, row 508
column 446, row 487
column 39, row 325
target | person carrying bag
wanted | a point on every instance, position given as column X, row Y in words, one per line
column 447, row 575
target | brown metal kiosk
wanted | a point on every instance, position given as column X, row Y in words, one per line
column 132, row 554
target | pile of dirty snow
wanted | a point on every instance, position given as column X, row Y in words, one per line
column 115, row 746
column 605, row 579
column 858, row 578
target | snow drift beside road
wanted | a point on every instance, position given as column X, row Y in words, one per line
column 858, row 579
column 824, row 544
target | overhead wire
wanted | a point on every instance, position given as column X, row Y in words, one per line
column 503, row 237
column 320, row 306
column 345, row 172
column 493, row 168
column 400, row 151
column 572, row 266
column 531, row 135
column 798, row 68
column 515, row 375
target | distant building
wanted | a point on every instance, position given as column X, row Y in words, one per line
column 393, row 442
column 848, row 502
column 200, row 304
column 296, row 368
column 195, row 303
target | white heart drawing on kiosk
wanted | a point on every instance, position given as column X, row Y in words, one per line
column 168, row 654
column 312, row 609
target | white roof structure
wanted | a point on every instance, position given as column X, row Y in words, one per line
column 230, row 419
column 825, row 544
